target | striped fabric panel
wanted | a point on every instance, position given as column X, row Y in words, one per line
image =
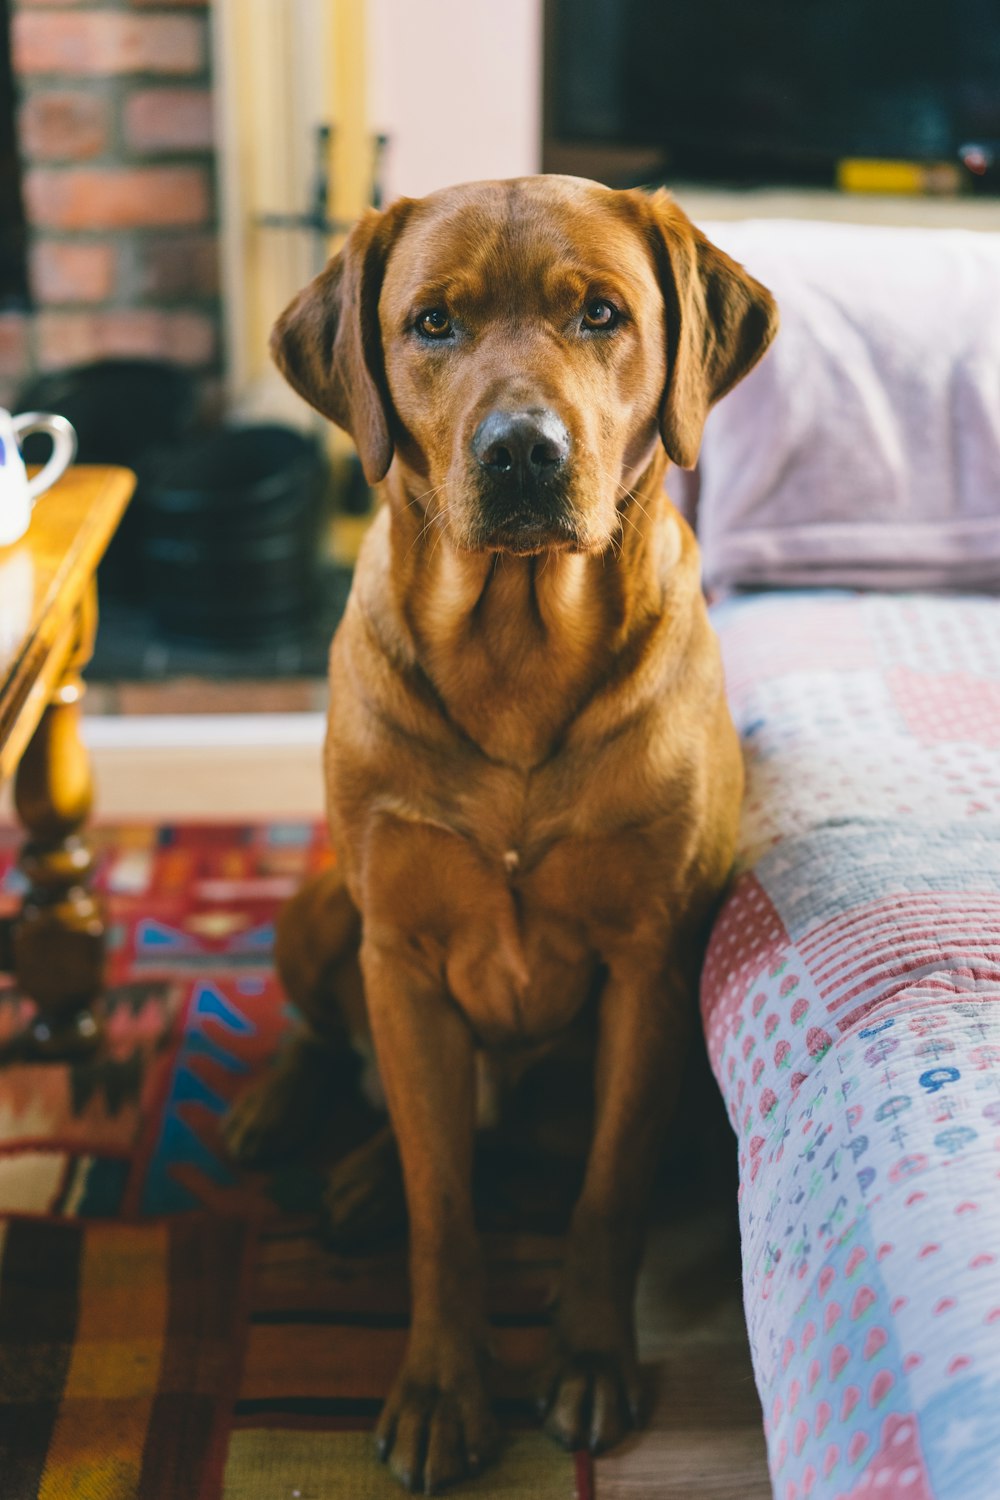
column 265, row 1464
column 328, row 1333
column 120, row 1347
column 186, row 1439
column 886, row 947
column 39, row 1309
column 829, row 941
column 326, row 1338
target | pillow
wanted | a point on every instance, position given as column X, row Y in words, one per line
column 864, row 449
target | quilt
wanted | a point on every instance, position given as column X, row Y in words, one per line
column 850, row 1003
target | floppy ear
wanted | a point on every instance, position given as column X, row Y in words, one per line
column 719, row 323
column 327, row 342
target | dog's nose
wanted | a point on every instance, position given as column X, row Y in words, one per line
column 529, row 443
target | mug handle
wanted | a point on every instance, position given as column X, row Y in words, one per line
column 63, row 447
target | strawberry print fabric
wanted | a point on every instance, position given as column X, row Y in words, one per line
column 850, row 1002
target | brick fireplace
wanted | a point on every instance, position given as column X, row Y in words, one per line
column 115, row 135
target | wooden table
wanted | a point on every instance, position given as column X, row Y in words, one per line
column 48, row 617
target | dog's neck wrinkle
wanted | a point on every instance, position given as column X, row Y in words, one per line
column 514, row 648
column 510, row 670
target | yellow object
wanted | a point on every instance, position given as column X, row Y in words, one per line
column 861, row 175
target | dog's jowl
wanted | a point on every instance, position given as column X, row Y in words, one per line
column 533, row 781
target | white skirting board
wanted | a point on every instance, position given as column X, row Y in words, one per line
column 204, row 766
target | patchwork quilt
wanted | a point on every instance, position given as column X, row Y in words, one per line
column 851, row 1002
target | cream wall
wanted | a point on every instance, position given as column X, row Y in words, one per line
column 457, row 85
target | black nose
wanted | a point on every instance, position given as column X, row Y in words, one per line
column 531, row 444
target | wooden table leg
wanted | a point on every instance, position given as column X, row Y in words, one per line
column 58, row 939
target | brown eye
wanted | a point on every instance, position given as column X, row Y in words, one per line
column 600, row 315
column 434, row 323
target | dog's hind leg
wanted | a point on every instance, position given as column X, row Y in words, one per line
column 316, row 953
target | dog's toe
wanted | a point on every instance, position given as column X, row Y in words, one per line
column 249, row 1128
column 590, row 1400
column 364, row 1200
column 268, row 1123
column 431, row 1438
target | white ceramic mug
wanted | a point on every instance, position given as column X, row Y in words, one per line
column 18, row 493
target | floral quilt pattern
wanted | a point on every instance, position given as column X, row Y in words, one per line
column 850, row 1002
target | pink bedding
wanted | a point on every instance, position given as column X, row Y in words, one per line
column 851, row 1002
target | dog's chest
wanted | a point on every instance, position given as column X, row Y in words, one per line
column 523, row 887
column 523, row 978
column 521, row 922
column 552, row 924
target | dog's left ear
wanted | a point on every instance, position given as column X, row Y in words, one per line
column 719, row 323
column 327, row 342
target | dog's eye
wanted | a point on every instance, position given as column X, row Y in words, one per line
column 600, row 315
column 434, row 324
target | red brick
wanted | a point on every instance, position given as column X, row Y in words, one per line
column 72, row 273
column 98, row 42
column 169, row 120
column 190, row 338
column 115, row 197
column 13, row 344
column 69, row 338
column 179, row 265
column 60, row 124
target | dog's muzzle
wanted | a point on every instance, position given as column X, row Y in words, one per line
column 522, row 459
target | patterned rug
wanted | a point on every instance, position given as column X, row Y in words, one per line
column 171, row 1328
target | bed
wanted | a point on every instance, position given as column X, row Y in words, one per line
column 848, row 505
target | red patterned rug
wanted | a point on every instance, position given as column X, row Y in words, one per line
column 170, row 1326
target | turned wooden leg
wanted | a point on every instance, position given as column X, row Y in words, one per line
column 58, row 939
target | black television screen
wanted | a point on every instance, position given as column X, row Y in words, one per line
column 784, row 88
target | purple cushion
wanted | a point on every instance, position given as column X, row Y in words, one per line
column 864, row 449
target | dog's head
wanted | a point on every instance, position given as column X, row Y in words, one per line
column 520, row 348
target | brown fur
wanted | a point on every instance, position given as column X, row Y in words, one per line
column 532, row 775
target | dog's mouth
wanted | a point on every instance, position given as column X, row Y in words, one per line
column 523, row 515
column 526, row 534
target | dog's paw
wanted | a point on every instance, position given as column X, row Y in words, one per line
column 364, row 1201
column 283, row 1112
column 267, row 1122
column 433, row 1433
column 249, row 1126
column 590, row 1399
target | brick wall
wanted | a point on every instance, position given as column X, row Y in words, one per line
column 116, row 140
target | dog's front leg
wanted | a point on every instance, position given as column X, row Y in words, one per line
column 591, row 1391
column 436, row 1425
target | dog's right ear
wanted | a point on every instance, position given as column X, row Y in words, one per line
column 327, row 342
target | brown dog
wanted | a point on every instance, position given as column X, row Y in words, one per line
column 533, row 779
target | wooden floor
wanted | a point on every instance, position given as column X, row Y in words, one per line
column 704, row 1441
column 704, row 1438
